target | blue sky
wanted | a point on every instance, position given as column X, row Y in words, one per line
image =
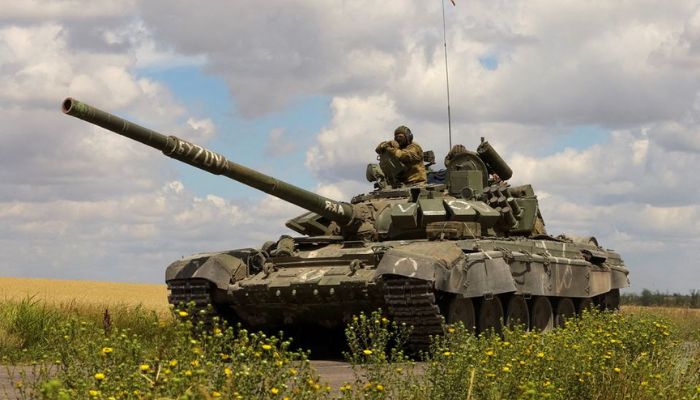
column 243, row 140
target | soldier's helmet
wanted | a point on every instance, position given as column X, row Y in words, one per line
column 404, row 129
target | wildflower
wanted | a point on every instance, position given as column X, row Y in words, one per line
column 385, row 321
column 266, row 347
column 490, row 353
column 107, row 350
column 367, row 352
column 100, row 376
column 446, row 354
column 451, row 330
column 274, row 390
column 292, row 371
column 540, row 355
column 173, row 363
column 144, row 367
column 227, row 371
column 379, row 387
column 93, row 392
column 215, row 394
column 188, row 373
column 195, row 363
column 644, row 383
column 183, row 314
column 345, row 387
column 506, row 369
column 616, row 369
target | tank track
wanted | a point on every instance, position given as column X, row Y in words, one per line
column 195, row 293
column 412, row 302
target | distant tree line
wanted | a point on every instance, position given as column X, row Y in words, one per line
column 649, row 298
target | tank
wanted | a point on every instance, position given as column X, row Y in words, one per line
column 463, row 247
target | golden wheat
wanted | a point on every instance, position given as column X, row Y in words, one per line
column 85, row 293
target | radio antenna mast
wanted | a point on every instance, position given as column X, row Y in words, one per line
column 447, row 74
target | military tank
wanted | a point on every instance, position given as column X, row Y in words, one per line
column 459, row 248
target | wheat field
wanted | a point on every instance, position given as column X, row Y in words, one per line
column 85, row 293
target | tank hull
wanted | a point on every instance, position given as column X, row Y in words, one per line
column 419, row 282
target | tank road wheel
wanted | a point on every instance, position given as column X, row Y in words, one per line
column 517, row 312
column 462, row 310
column 609, row 301
column 583, row 304
column 565, row 310
column 490, row 315
column 542, row 316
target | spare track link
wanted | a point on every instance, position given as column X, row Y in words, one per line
column 194, row 293
column 412, row 301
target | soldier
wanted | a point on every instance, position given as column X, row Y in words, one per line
column 409, row 153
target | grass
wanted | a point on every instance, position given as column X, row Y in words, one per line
column 637, row 354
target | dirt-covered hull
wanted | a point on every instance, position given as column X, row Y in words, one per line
column 477, row 281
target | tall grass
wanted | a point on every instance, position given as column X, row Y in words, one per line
column 633, row 355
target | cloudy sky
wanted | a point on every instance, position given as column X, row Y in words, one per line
column 596, row 103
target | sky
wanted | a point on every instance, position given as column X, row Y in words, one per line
column 595, row 103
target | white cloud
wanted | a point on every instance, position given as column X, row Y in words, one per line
column 73, row 195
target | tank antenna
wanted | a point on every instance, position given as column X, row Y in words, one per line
column 447, row 74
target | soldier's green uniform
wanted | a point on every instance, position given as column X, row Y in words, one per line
column 412, row 157
column 409, row 153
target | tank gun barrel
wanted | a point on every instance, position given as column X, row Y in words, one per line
column 202, row 158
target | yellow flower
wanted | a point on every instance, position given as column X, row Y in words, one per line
column 446, row 354
column 379, row 387
column 182, row 314
column 144, row 367
column 274, row 390
column 227, row 371
column 490, row 353
column 100, row 376
column 94, row 393
column 266, row 347
column 107, row 350
column 292, row 371
column 644, row 383
column 540, row 355
column 450, row 330
column 173, row 363
column 195, row 363
column 188, row 373
column 617, row 369
column 367, row 352
column 506, row 369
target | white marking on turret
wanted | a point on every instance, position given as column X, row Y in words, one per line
column 459, row 204
column 408, row 207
